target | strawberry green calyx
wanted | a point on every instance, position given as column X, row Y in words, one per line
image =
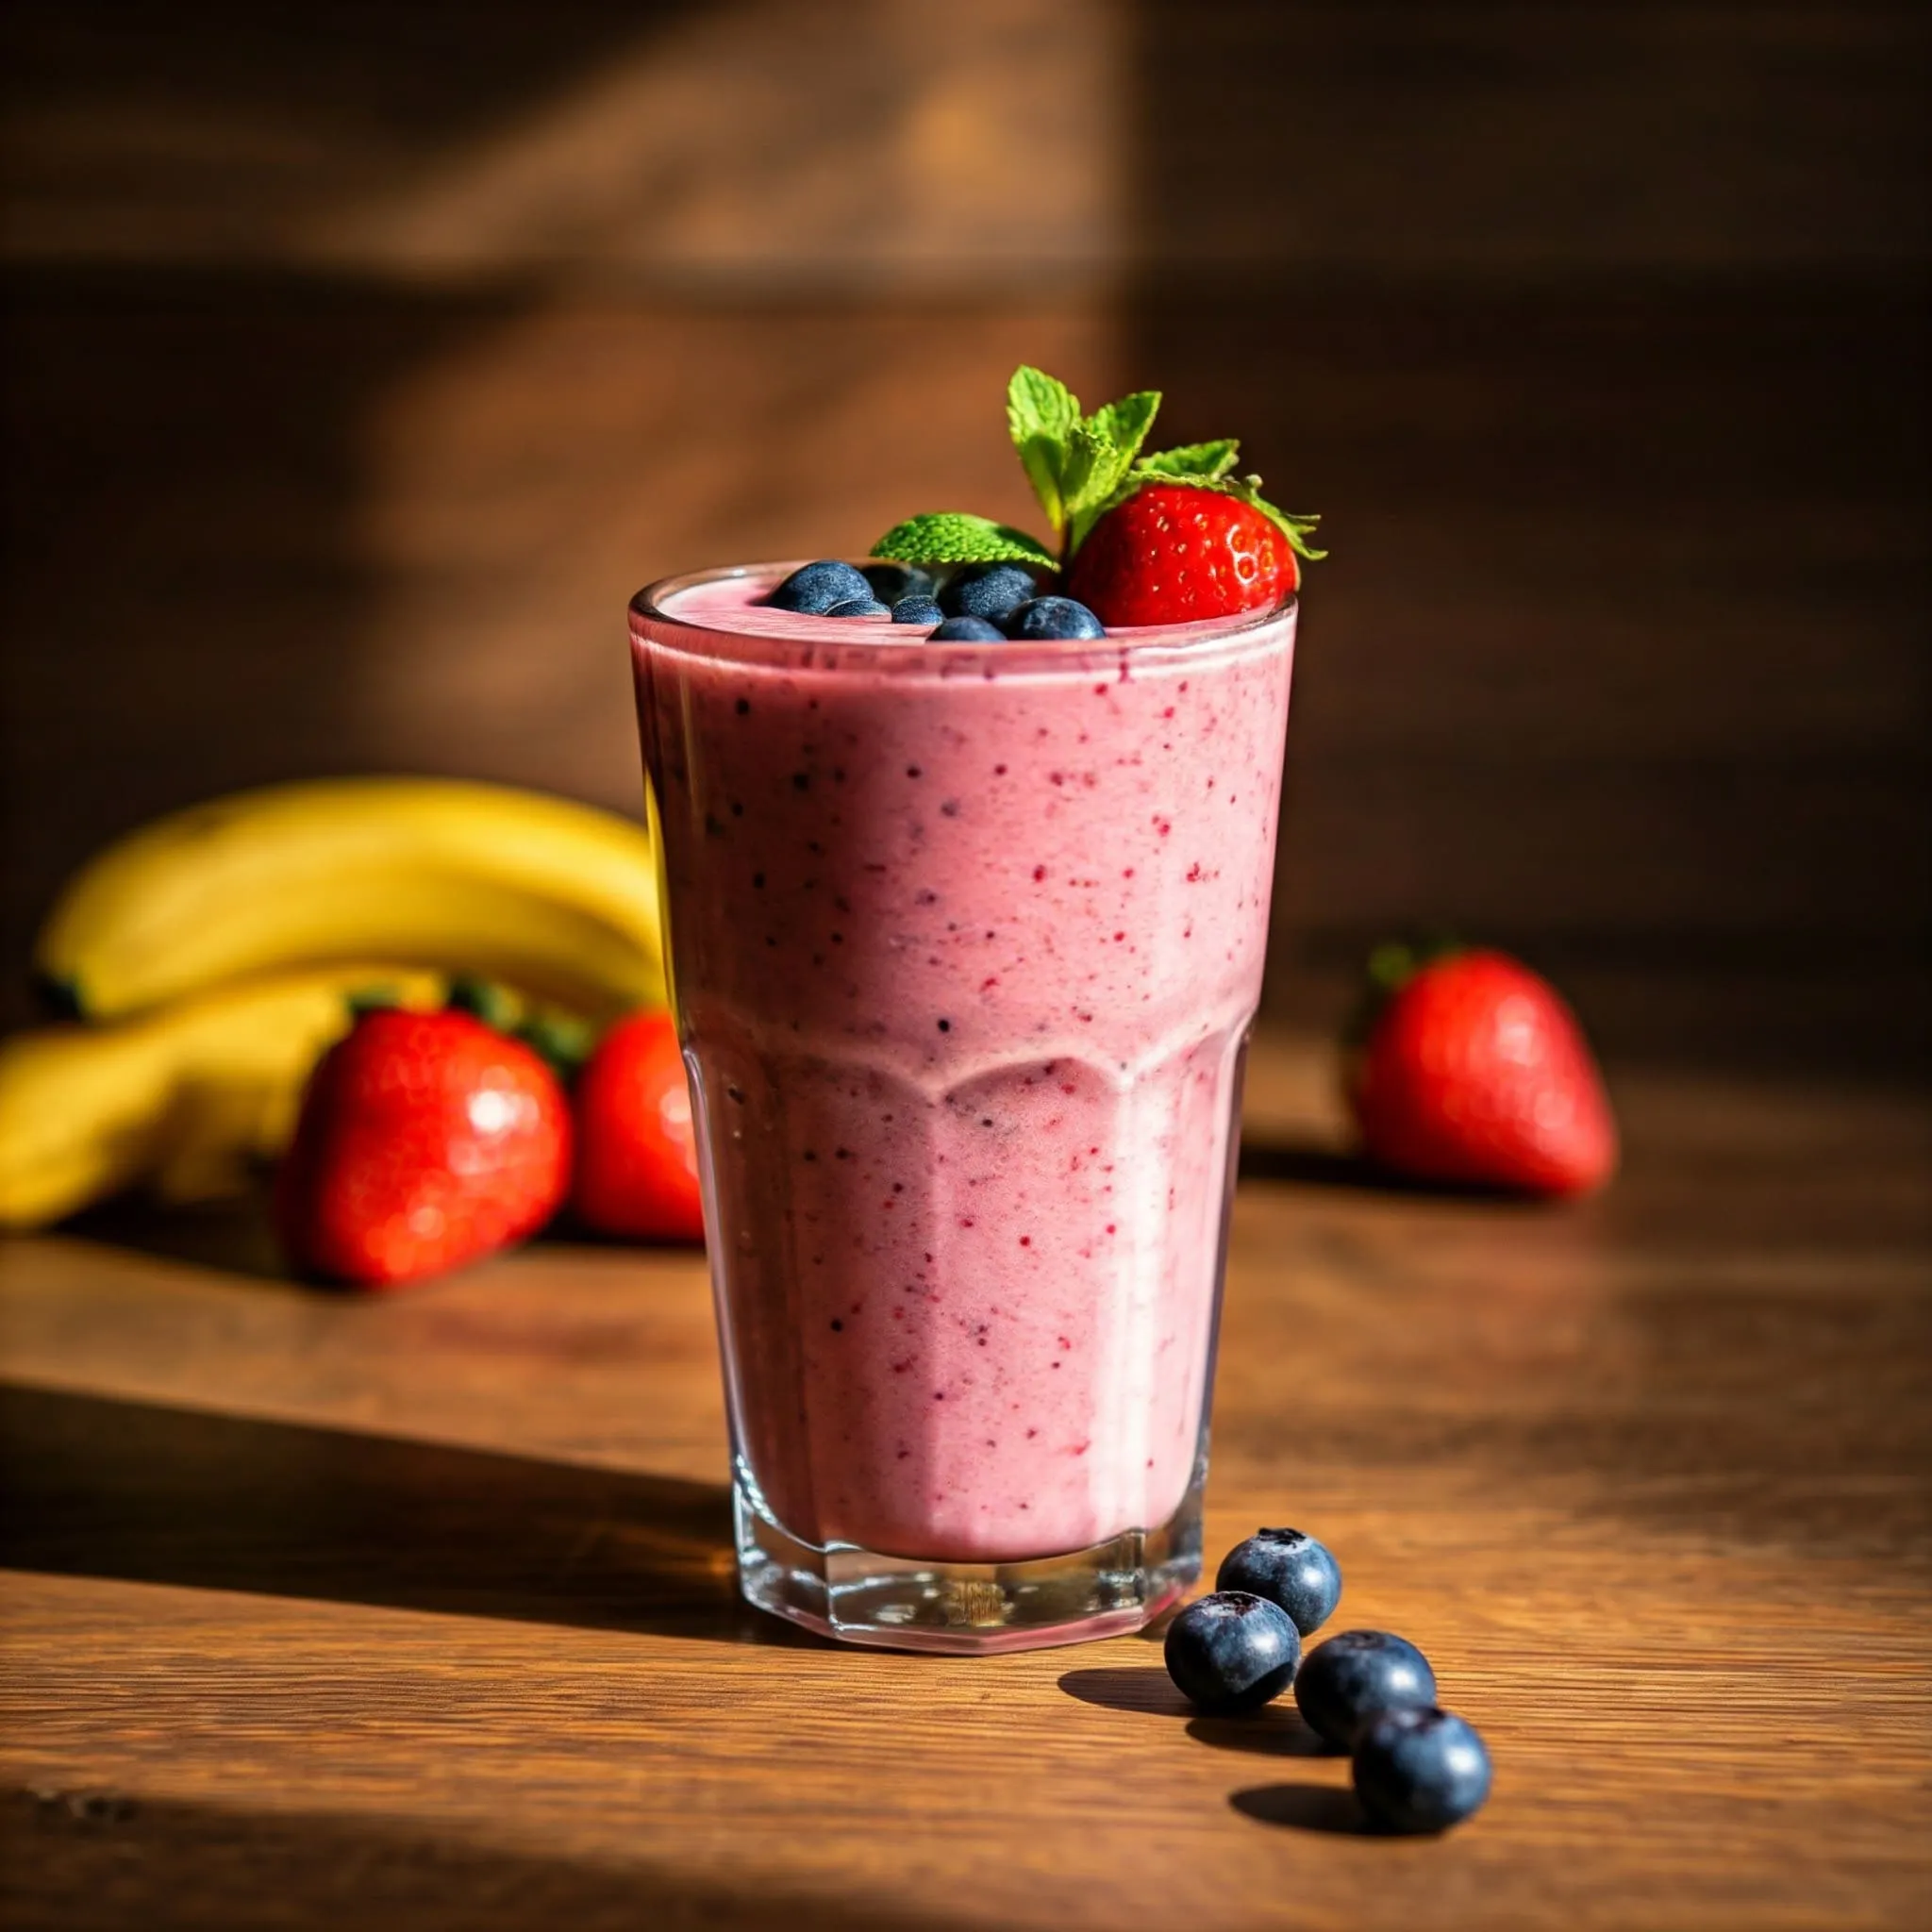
column 954, row 537
column 1389, row 967
column 1394, row 962
column 485, row 1000
column 561, row 1040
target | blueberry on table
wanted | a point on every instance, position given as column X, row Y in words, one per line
column 1054, row 617
column 867, row 605
column 893, row 581
column 1358, row 1676
column 991, row 591
column 968, row 630
column 1231, row 1652
column 1290, row 1568
column 917, row 609
column 814, row 588
column 1420, row 1770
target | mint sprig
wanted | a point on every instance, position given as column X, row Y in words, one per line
column 1080, row 467
column 1193, row 460
column 1075, row 463
column 1041, row 414
column 951, row 536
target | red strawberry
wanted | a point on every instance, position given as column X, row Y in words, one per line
column 1476, row 1071
column 425, row 1141
column 636, row 1156
column 1173, row 553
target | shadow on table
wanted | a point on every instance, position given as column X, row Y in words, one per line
column 230, row 1236
column 1144, row 1688
column 151, row 1494
column 237, row 1237
column 1275, row 1731
column 1304, row 1807
column 103, row 1859
column 1313, row 1164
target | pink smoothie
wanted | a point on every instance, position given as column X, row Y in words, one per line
column 966, row 942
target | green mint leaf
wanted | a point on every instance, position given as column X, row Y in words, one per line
column 956, row 536
column 1194, row 459
column 1040, row 404
column 1043, row 460
column 1125, row 424
column 1095, row 471
column 1041, row 414
column 1091, row 464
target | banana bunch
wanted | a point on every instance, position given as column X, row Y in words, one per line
column 183, row 1098
column 558, row 899
column 213, row 956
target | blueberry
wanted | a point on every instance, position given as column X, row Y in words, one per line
column 867, row 605
column 1054, row 617
column 991, row 591
column 1420, row 1770
column 1356, row 1677
column 892, row 582
column 1231, row 1652
column 814, row 588
column 917, row 609
column 1288, row 1568
column 968, row 630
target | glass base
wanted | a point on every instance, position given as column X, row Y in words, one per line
column 969, row 1609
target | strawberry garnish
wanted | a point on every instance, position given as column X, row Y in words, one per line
column 1141, row 540
column 425, row 1141
column 1474, row 1071
column 1172, row 552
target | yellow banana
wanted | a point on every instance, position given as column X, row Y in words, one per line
column 185, row 1097
column 558, row 898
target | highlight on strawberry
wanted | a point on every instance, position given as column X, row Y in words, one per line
column 1172, row 537
column 425, row 1141
column 1473, row 1070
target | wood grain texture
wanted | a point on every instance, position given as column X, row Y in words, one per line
column 420, row 1608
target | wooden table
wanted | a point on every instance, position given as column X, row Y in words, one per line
column 419, row 1612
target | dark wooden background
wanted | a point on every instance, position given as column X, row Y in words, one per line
column 360, row 360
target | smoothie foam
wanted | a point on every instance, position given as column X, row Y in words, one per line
column 966, row 939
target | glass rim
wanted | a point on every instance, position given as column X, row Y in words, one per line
column 1180, row 643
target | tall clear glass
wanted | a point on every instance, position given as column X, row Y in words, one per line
column 965, row 944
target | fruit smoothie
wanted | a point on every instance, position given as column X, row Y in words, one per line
column 966, row 940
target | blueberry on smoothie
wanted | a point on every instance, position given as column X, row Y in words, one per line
column 1420, row 1770
column 1054, row 617
column 917, row 609
column 1290, row 1568
column 1231, row 1652
column 1355, row 1677
column 968, row 630
column 893, row 581
column 814, row 588
column 867, row 605
column 991, row 591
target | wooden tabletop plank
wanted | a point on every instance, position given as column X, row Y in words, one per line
column 422, row 1609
